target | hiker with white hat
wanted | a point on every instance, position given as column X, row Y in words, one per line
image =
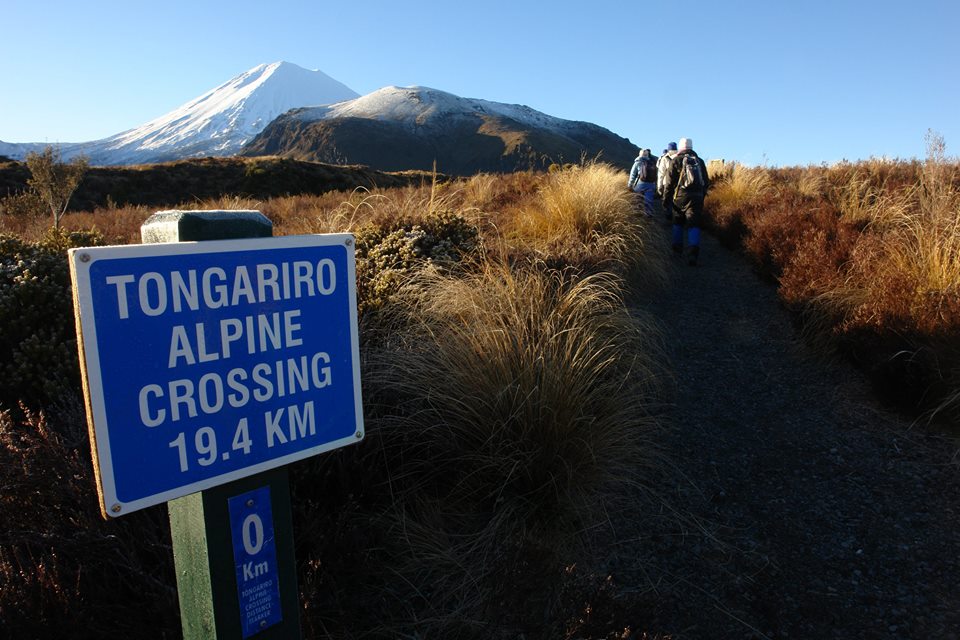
column 686, row 185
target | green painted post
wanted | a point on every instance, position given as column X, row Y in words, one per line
column 203, row 549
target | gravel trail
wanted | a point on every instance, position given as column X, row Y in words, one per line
column 804, row 509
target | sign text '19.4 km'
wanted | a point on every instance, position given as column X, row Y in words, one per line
column 206, row 362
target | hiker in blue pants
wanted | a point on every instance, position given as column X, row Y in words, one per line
column 686, row 185
column 643, row 179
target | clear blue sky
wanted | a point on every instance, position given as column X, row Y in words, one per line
column 760, row 81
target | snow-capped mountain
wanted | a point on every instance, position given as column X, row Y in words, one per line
column 282, row 109
column 398, row 128
column 218, row 123
column 423, row 106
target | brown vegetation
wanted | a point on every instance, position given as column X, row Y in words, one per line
column 868, row 254
column 509, row 397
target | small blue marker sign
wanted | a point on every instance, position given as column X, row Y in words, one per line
column 255, row 554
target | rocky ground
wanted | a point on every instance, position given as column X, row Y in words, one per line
column 798, row 506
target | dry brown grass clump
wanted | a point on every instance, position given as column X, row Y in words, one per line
column 740, row 188
column 582, row 215
column 540, row 373
column 510, row 407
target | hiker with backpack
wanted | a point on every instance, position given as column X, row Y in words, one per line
column 643, row 179
column 663, row 169
column 686, row 186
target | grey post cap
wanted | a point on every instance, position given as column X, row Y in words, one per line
column 185, row 226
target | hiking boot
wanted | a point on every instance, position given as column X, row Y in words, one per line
column 693, row 255
column 678, row 251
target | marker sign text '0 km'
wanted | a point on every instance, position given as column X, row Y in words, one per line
column 207, row 362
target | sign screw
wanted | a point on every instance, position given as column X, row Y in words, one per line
column 250, row 503
column 84, row 257
column 115, row 508
column 263, row 623
column 358, row 434
column 348, row 242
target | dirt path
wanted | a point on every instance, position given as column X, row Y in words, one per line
column 807, row 511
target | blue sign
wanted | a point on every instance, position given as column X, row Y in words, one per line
column 207, row 362
column 255, row 554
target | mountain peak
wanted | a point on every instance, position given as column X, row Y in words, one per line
column 396, row 128
column 222, row 120
column 421, row 105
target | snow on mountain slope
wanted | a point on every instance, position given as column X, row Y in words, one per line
column 19, row 150
column 423, row 106
column 397, row 128
column 218, row 123
column 222, row 120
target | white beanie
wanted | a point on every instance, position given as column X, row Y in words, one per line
column 686, row 144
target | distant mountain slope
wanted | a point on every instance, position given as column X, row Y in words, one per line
column 197, row 179
column 218, row 123
column 19, row 150
column 408, row 128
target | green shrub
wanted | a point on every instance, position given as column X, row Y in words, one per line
column 65, row 572
column 38, row 345
column 25, row 204
column 388, row 255
column 54, row 181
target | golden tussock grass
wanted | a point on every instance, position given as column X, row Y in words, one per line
column 741, row 187
column 583, row 215
column 812, row 183
column 539, row 373
column 912, row 238
column 533, row 392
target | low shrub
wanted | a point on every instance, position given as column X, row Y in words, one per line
column 388, row 256
column 25, row 204
column 64, row 571
column 38, row 346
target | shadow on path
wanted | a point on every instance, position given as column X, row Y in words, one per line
column 806, row 511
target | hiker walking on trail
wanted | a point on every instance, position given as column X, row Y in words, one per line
column 663, row 168
column 686, row 186
column 643, row 179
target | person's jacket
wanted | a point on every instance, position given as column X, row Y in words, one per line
column 671, row 186
column 635, row 171
column 663, row 168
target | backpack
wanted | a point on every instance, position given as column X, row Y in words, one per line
column 691, row 174
column 648, row 170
